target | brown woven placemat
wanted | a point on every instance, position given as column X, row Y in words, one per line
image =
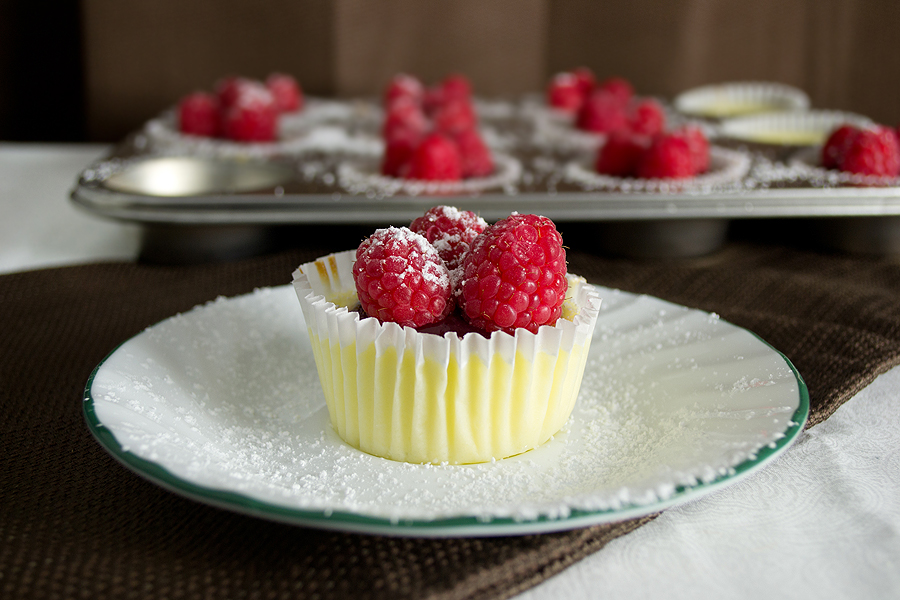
column 75, row 524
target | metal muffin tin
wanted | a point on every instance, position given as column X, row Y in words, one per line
column 198, row 204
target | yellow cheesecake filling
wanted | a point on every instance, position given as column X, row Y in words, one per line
column 423, row 398
column 788, row 137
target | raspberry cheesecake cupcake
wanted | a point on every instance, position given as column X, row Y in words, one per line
column 432, row 144
column 449, row 341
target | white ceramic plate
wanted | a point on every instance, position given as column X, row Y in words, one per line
column 222, row 404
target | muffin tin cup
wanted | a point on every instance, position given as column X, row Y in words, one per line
column 396, row 393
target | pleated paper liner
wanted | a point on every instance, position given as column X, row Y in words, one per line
column 422, row 398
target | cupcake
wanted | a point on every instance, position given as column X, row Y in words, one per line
column 726, row 100
column 463, row 377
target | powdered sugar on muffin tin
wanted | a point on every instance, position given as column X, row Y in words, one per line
column 808, row 162
column 226, row 399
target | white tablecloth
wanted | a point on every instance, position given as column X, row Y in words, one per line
column 821, row 522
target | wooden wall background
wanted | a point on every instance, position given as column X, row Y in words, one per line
column 138, row 57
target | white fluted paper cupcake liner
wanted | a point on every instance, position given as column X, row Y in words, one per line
column 791, row 128
column 807, row 162
column 740, row 98
column 361, row 175
column 726, row 167
column 423, row 398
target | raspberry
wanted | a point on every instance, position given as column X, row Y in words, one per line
column 286, row 91
column 646, row 117
column 403, row 115
column 620, row 155
column 198, row 114
column 837, row 144
column 618, row 88
column 475, row 156
column 398, row 151
column 436, row 159
column 456, row 87
column 432, row 100
column 228, row 90
column 400, row 278
column 514, row 276
column 450, row 231
column 669, row 157
column 698, row 145
column 564, row 92
column 454, row 116
column 253, row 116
column 451, row 89
column 403, row 86
column 602, row 113
column 586, row 79
column 873, row 152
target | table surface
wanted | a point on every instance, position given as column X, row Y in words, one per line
column 821, row 522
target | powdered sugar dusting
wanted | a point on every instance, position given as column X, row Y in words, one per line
column 226, row 397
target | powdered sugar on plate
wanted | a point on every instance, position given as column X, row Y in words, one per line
column 226, row 399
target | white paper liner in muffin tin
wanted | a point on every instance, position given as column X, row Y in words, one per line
column 556, row 129
column 808, row 163
column 726, row 167
column 360, row 174
column 509, row 398
column 764, row 96
column 766, row 128
column 321, row 125
column 318, row 112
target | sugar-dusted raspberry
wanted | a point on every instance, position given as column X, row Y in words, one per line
column 456, row 87
column 699, row 146
column 617, row 87
column 475, row 156
column 602, row 113
column 398, row 151
column 586, row 79
column 450, row 231
column 198, row 114
column 286, row 91
column 454, row 116
column 404, row 115
column 620, row 155
column 514, row 276
column 669, row 157
column 403, row 86
column 451, row 89
column 436, row 159
column 873, row 151
column 252, row 117
column 228, row 89
column 837, row 144
column 646, row 117
column 401, row 278
column 564, row 92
